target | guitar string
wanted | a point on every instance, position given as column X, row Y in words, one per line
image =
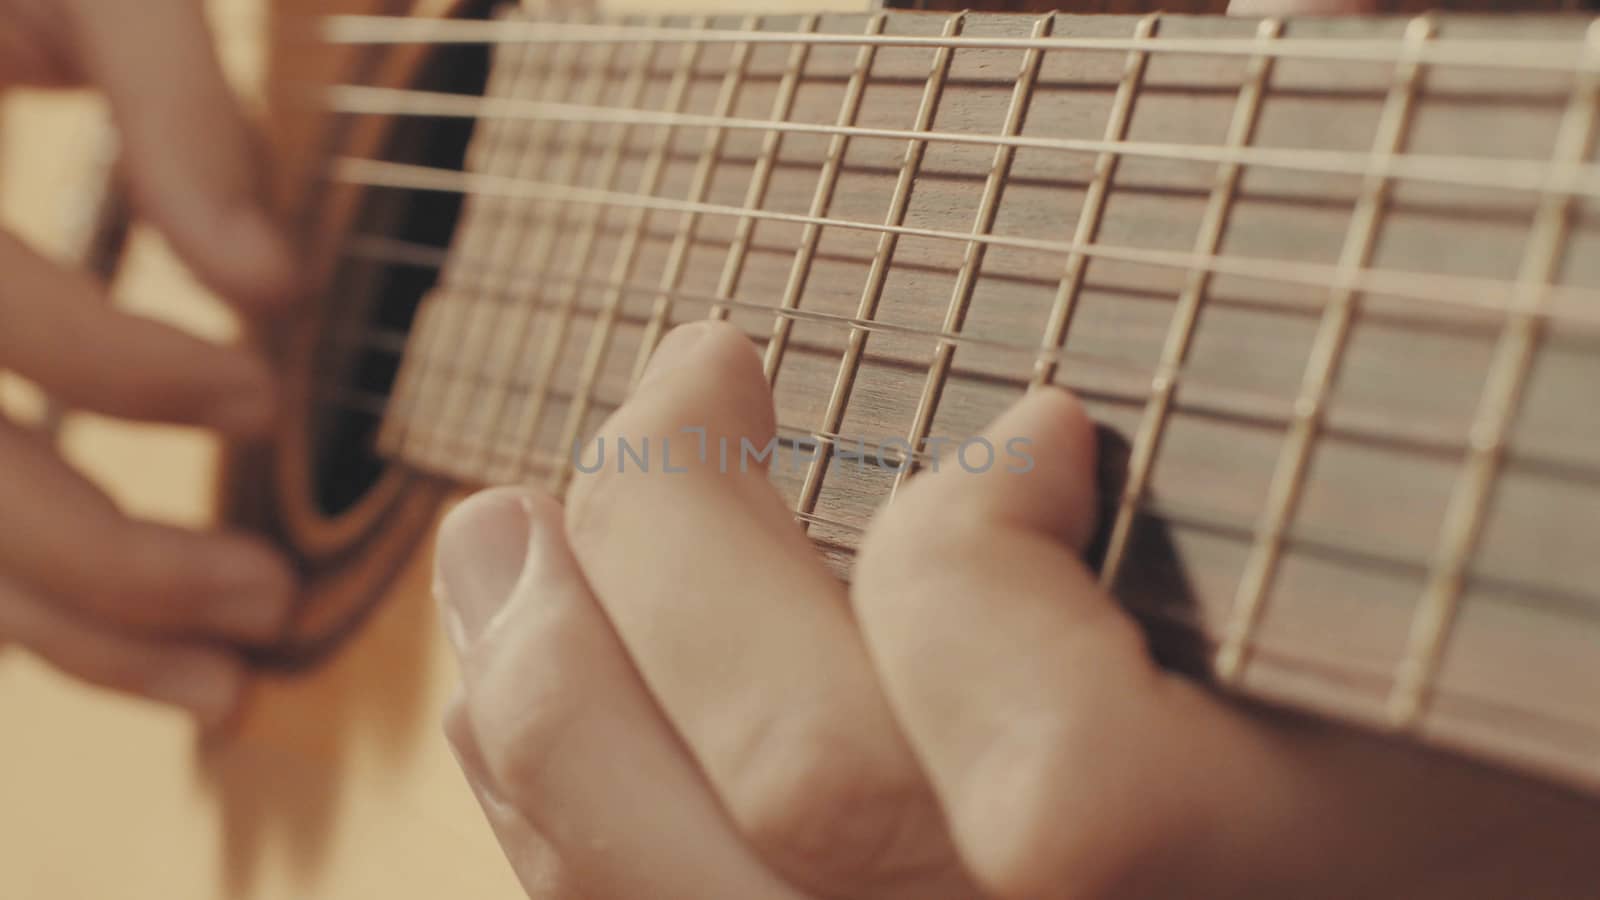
column 1513, row 175
column 1190, row 303
column 746, row 215
column 1189, row 620
column 1550, row 55
column 973, row 255
column 1244, row 403
column 1324, row 360
column 383, row 250
column 1286, row 655
column 1563, row 303
column 1165, row 510
column 1504, row 589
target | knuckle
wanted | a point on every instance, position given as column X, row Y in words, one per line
column 525, row 696
column 815, row 804
column 141, row 584
column 520, row 741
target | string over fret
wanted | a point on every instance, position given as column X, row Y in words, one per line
column 700, row 183
column 878, row 272
column 1094, row 203
column 1186, row 314
column 827, row 181
column 973, row 253
column 761, row 174
column 1327, row 350
column 1253, row 220
column 419, row 382
column 492, row 312
column 1467, row 511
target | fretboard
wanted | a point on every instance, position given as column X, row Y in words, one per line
column 1335, row 284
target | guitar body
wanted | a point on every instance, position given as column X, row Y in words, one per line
column 336, row 783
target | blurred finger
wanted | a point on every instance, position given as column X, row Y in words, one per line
column 34, row 44
column 65, row 539
column 57, row 329
column 565, row 727
column 744, row 637
column 206, row 682
column 193, row 162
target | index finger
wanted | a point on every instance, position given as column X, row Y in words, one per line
column 192, row 161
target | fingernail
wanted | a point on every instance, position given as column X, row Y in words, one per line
column 674, row 350
column 206, row 686
column 483, row 546
column 256, row 598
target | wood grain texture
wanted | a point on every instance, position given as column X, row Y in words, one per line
column 1393, row 418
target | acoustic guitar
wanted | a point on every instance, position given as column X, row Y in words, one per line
column 1331, row 287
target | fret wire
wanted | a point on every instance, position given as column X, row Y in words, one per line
column 827, row 182
column 761, row 175
column 878, row 272
column 1533, row 55
column 1186, row 315
column 1166, row 615
column 1565, row 303
column 526, row 433
column 376, row 248
column 519, row 329
column 973, row 254
column 380, row 249
column 689, row 221
column 1065, row 304
column 394, row 431
column 525, row 429
column 1328, row 348
column 493, row 154
column 1253, row 408
column 484, row 150
column 648, row 180
column 403, row 393
column 505, row 236
column 600, row 340
column 1514, row 175
column 1333, row 545
column 1256, row 408
column 1467, row 510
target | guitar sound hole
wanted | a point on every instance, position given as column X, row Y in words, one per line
column 390, row 259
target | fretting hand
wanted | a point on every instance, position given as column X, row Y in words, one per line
column 666, row 695
column 138, row 607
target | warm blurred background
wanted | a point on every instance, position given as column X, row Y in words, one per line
column 338, row 786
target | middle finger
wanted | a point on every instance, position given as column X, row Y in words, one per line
column 744, row 637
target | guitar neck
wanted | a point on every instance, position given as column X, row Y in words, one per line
column 1334, row 283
